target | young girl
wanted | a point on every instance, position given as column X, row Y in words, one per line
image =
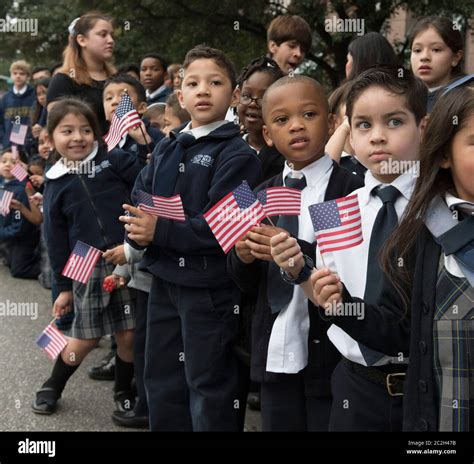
column 86, row 63
column 253, row 81
column 41, row 89
column 426, row 311
column 436, row 53
column 83, row 199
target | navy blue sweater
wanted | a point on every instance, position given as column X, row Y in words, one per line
column 13, row 106
column 187, row 253
column 14, row 226
column 86, row 207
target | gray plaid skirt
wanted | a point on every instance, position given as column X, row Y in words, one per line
column 97, row 312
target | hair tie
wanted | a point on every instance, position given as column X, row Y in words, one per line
column 71, row 26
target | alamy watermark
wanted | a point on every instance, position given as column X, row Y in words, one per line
column 392, row 166
column 19, row 309
column 345, row 309
column 23, row 25
column 334, row 24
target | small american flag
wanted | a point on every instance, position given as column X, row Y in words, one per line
column 5, row 200
column 52, row 341
column 280, row 201
column 19, row 172
column 171, row 208
column 81, row 263
column 341, row 219
column 18, row 133
column 125, row 117
column 234, row 216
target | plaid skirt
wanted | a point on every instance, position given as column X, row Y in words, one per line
column 97, row 312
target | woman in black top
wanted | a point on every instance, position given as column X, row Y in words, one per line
column 86, row 63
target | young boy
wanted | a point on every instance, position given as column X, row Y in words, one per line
column 288, row 41
column 190, row 367
column 175, row 114
column 291, row 358
column 16, row 104
column 133, row 142
column 386, row 109
column 156, row 114
column 20, row 236
column 153, row 75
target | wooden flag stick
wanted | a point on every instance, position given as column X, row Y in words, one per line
column 322, row 257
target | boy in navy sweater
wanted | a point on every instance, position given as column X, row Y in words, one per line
column 153, row 75
column 190, row 367
column 20, row 236
column 16, row 104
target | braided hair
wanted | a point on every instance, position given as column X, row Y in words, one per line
column 262, row 64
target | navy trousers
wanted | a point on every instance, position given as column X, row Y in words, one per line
column 139, row 343
column 361, row 405
column 191, row 376
column 286, row 407
column 24, row 259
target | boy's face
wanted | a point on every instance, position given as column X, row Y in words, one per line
column 36, row 170
column 461, row 161
column 19, row 78
column 299, row 126
column 384, row 132
column 152, row 74
column 113, row 94
column 288, row 55
column 7, row 161
column 38, row 75
column 170, row 121
column 206, row 92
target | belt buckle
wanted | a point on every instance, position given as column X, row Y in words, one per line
column 390, row 385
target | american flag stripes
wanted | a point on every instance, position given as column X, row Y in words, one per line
column 341, row 219
column 234, row 215
column 81, row 262
column 5, row 200
column 280, row 201
column 18, row 133
column 125, row 117
column 52, row 341
column 171, row 208
column 19, row 172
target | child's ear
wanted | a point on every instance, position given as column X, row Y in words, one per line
column 141, row 108
column 179, row 94
column 272, row 46
column 422, row 124
column 446, row 162
column 457, row 57
column 235, row 97
column 49, row 141
column 267, row 136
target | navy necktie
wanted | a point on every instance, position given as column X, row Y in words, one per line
column 384, row 224
column 279, row 293
column 168, row 168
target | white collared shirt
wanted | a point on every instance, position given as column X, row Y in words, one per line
column 63, row 166
column 449, row 261
column 202, row 131
column 155, row 92
column 20, row 91
column 288, row 346
column 351, row 264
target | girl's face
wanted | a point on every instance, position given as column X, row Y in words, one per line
column 461, row 161
column 99, row 41
column 41, row 92
column 349, row 64
column 73, row 137
column 43, row 145
column 7, row 161
column 36, row 170
column 431, row 59
column 250, row 114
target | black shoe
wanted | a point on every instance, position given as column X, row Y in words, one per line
column 124, row 401
column 253, row 401
column 103, row 372
column 46, row 401
column 130, row 419
column 108, row 357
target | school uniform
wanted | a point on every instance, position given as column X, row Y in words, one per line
column 272, row 160
column 291, row 355
column 190, row 366
column 20, row 237
column 352, row 164
column 355, row 386
column 159, row 95
column 86, row 206
column 435, row 331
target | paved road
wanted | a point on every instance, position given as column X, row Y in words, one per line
column 86, row 404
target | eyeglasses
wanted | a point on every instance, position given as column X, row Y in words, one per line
column 247, row 99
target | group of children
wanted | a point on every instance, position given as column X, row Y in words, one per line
column 375, row 336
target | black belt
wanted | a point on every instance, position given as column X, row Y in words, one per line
column 390, row 376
